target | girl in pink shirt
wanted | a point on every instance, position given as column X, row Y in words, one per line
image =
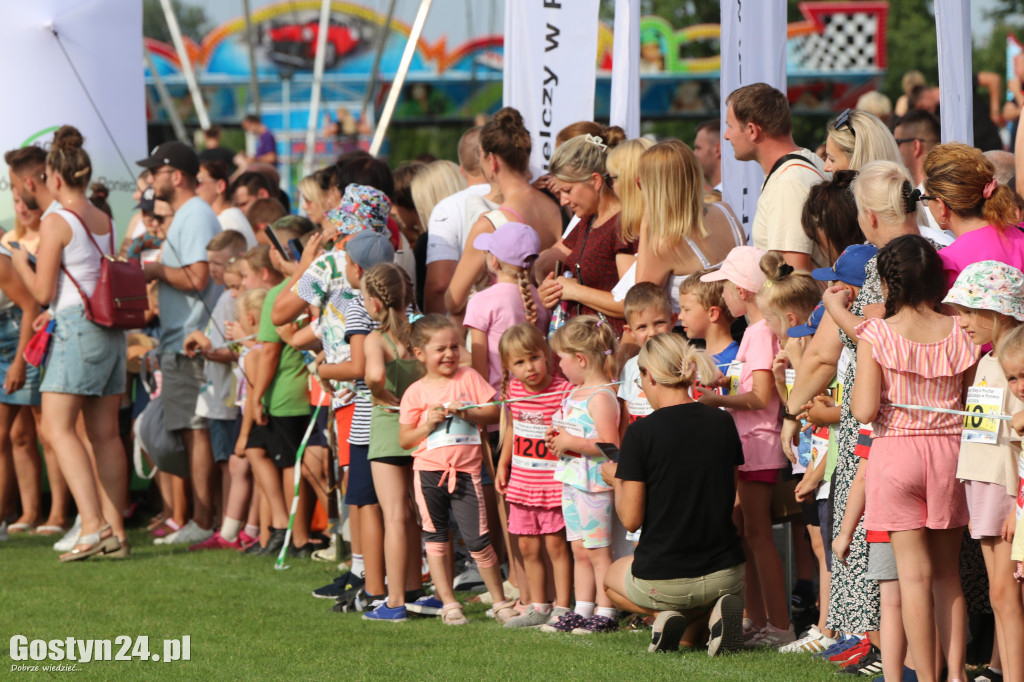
column 756, row 409
column 447, row 460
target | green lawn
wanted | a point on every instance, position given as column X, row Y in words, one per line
column 247, row 621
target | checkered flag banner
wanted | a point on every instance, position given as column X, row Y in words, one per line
column 846, row 37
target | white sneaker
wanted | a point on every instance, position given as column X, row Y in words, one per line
column 771, row 636
column 70, row 539
column 189, row 534
column 813, row 642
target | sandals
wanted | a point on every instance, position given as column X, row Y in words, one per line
column 50, row 530
column 93, row 544
column 505, row 611
column 451, row 614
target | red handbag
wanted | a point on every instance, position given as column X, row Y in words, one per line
column 120, row 299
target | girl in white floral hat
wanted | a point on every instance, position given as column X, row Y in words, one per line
column 990, row 298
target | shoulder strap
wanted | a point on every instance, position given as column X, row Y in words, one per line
column 496, row 217
column 697, row 252
column 737, row 234
column 89, row 234
column 780, row 163
column 512, row 211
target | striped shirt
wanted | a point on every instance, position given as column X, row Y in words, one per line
column 532, row 481
column 928, row 374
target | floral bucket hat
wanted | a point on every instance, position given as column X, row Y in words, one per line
column 990, row 285
column 362, row 208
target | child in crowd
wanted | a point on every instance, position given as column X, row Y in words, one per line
column 525, row 473
column 916, row 355
column 704, row 315
column 238, row 504
column 390, row 369
column 756, row 409
column 588, row 416
column 439, row 417
column 1011, row 359
column 511, row 299
column 648, row 312
column 217, row 396
column 362, row 251
column 990, row 299
column 279, row 402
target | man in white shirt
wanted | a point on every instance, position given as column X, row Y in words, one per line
column 759, row 126
column 212, row 188
column 448, row 229
column 916, row 134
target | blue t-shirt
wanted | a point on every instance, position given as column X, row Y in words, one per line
column 183, row 312
column 726, row 357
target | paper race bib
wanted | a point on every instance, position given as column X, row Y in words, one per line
column 733, row 374
column 529, row 450
column 563, row 426
column 638, row 407
column 819, row 444
column 982, row 400
column 790, row 380
column 1020, row 486
column 453, row 431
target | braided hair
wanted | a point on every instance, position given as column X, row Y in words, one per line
column 913, row 274
column 389, row 284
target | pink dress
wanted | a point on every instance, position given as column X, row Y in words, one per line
column 911, row 475
column 759, row 429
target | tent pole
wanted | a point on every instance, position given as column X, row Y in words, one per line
column 318, row 77
column 254, row 81
column 186, row 65
column 165, row 98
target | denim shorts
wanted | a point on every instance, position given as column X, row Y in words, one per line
column 223, row 436
column 85, row 358
column 10, row 329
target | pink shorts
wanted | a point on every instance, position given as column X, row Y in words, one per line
column 760, row 476
column 526, row 520
column 989, row 505
column 911, row 483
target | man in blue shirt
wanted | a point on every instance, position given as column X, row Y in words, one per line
column 186, row 293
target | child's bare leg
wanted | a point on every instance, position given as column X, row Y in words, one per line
column 1006, row 605
column 583, row 573
column 756, row 498
column 600, row 560
column 557, row 550
column 893, row 638
column 531, row 590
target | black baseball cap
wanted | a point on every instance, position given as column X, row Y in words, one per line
column 177, row 155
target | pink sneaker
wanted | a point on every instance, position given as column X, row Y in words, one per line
column 245, row 541
column 215, row 541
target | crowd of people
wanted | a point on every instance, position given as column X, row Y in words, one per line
column 588, row 394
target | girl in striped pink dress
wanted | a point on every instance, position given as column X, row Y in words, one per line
column 918, row 356
column 526, row 473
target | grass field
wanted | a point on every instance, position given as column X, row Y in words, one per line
column 247, row 621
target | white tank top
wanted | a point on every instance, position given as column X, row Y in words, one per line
column 82, row 260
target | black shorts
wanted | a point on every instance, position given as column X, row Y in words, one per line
column 398, row 460
column 360, row 491
column 319, row 436
column 809, row 511
column 280, row 437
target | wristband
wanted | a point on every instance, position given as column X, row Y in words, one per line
column 789, row 417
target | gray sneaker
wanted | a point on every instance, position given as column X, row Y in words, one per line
column 726, row 625
column 531, row 619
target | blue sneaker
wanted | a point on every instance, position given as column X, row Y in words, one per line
column 426, row 606
column 839, row 647
column 385, row 612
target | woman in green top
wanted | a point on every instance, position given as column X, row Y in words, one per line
column 390, row 369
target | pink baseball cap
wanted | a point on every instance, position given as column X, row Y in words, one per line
column 742, row 267
column 513, row 243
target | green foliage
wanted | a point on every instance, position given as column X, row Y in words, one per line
column 191, row 19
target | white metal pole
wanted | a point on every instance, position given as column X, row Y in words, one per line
column 396, row 86
column 165, row 99
column 186, row 65
column 254, row 77
column 318, row 77
column 375, row 69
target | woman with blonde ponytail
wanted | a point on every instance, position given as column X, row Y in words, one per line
column 963, row 195
column 510, row 251
column 688, row 568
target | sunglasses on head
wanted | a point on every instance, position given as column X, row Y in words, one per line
column 843, row 121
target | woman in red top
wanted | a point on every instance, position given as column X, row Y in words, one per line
column 593, row 253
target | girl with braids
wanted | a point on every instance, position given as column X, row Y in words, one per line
column 85, row 372
column 511, row 250
column 917, row 355
column 390, row 369
column 963, row 196
column 756, row 408
column 534, row 497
